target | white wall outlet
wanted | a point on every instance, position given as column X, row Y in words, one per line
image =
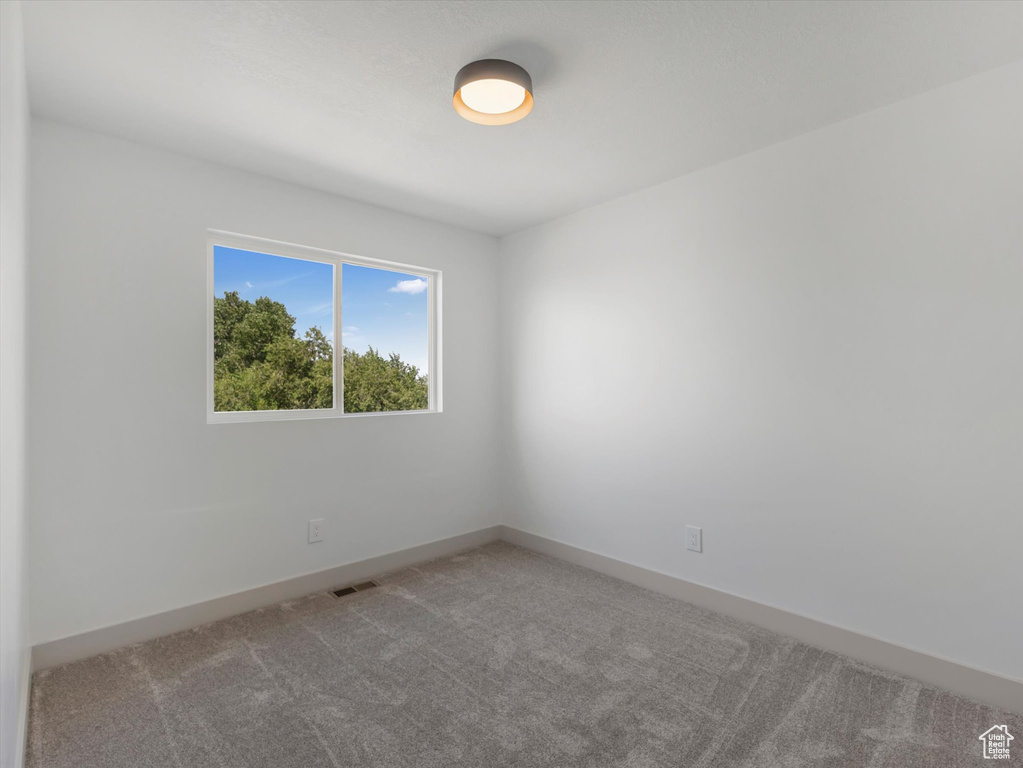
column 316, row 531
column 694, row 538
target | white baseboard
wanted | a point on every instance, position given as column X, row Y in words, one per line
column 87, row 644
column 977, row 684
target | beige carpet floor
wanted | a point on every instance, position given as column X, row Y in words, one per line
column 495, row 657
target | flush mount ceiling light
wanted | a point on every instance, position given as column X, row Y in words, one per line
column 493, row 92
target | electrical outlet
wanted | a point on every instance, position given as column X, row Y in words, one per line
column 316, row 531
column 694, row 538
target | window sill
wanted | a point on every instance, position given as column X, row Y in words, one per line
column 245, row 417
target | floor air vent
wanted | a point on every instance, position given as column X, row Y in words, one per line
column 344, row 591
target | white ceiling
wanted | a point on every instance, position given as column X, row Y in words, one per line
column 355, row 97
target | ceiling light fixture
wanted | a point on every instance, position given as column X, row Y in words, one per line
column 493, row 92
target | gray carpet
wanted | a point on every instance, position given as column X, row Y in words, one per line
column 496, row 657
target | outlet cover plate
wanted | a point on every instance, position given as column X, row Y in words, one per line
column 316, row 531
column 694, row 538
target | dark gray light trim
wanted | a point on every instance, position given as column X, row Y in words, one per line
column 493, row 69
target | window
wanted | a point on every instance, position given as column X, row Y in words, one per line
column 279, row 313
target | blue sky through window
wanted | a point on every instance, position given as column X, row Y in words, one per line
column 380, row 308
column 386, row 310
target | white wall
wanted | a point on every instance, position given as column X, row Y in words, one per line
column 14, row 121
column 815, row 352
column 139, row 505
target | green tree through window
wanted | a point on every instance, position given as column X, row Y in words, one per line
column 260, row 365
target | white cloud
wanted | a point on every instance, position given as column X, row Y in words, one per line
column 410, row 286
column 320, row 309
column 285, row 280
column 248, row 284
column 349, row 330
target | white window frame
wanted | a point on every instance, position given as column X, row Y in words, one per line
column 337, row 259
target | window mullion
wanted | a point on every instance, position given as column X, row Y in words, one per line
column 339, row 384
